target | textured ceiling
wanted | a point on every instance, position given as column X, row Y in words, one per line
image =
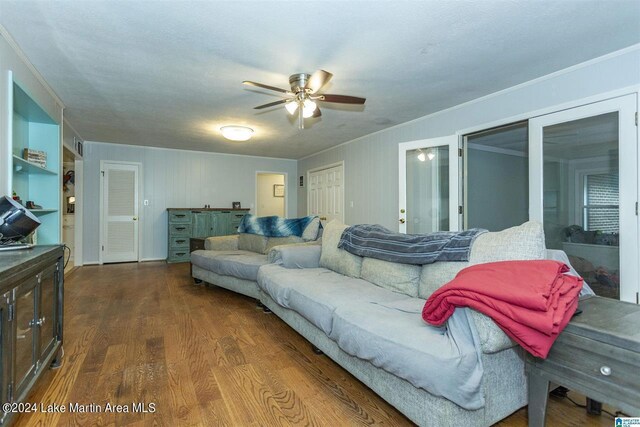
column 169, row 73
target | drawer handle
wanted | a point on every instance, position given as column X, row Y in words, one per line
column 181, row 228
column 180, row 241
column 180, row 253
column 180, row 216
column 605, row 370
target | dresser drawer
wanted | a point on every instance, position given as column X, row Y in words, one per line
column 180, row 216
column 604, row 367
column 179, row 230
column 178, row 242
column 179, row 255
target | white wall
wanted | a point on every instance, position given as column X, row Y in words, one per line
column 371, row 162
column 267, row 204
column 174, row 179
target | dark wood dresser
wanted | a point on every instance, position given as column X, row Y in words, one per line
column 31, row 320
column 598, row 355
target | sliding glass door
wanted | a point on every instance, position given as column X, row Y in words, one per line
column 583, row 175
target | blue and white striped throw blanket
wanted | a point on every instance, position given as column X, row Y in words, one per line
column 375, row 241
column 274, row 226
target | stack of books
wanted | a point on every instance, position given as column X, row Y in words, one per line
column 35, row 156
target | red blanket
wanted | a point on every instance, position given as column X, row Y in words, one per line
column 531, row 301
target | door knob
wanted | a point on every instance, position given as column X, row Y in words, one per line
column 401, row 210
column 401, row 220
column 135, row 218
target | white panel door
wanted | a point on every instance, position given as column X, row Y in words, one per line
column 119, row 242
column 583, row 186
column 325, row 194
column 429, row 185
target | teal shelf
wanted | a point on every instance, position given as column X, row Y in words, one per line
column 21, row 165
column 42, row 211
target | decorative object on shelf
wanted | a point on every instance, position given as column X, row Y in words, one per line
column 15, row 197
column 16, row 223
column 69, row 177
column 236, row 205
column 278, row 190
column 71, row 204
column 31, row 205
column 37, row 157
column 236, row 133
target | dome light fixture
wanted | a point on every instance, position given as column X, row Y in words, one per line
column 236, row 133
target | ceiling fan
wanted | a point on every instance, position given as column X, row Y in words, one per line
column 304, row 95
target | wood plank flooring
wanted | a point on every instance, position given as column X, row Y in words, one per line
column 144, row 333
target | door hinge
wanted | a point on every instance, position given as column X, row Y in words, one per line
column 11, row 312
column 460, row 210
column 637, row 297
column 102, row 172
column 103, row 247
column 636, row 118
column 459, row 152
column 636, row 208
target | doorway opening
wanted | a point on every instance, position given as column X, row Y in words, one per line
column 71, row 211
column 271, row 193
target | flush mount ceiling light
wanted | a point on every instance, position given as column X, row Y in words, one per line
column 236, row 133
column 422, row 157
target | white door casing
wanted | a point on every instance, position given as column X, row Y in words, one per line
column 626, row 106
column 119, row 219
column 325, row 192
column 452, row 142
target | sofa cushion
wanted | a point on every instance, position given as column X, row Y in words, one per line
column 240, row 264
column 337, row 259
column 315, row 293
column 277, row 241
column 443, row 361
column 311, row 231
column 394, row 276
column 252, row 242
column 524, row 242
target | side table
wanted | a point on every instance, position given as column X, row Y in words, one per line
column 597, row 355
column 195, row 243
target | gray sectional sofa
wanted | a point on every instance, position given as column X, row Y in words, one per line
column 232, row 262
column 365, row 315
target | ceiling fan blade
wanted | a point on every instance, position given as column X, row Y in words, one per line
column 317, row 80
column 342, row 99
column 316, row 113
column 271, row 104
column 263, row 86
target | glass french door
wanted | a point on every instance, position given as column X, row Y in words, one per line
column 428, row 185
column 583, row 187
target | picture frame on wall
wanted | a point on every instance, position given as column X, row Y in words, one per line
column 278, row 190
column 301, row 181
column 236, row 205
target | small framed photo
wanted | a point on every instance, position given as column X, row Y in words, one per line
column 236, row 205
column 278, row 190
column 301, row 181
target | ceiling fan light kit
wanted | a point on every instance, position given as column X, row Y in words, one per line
column 303, row 96
column 236, row 133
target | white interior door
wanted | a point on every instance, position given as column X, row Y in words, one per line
column 119, row 239
column 583, row 177
column 325, row 193
column 428, row 193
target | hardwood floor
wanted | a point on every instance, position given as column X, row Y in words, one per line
column 143, row 333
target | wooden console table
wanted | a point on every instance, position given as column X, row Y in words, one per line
column 31, row 313
column 598, row 355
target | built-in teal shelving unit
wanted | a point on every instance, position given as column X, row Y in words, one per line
column 34, row 129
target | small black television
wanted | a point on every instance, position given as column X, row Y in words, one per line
column 16, row 223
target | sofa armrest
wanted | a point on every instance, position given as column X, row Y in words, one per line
column 300, row 255
column 492, row 338
column 222, row 243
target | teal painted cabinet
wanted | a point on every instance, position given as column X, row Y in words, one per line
column 187, row 223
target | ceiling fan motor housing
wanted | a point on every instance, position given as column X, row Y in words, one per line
column 298, row 81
